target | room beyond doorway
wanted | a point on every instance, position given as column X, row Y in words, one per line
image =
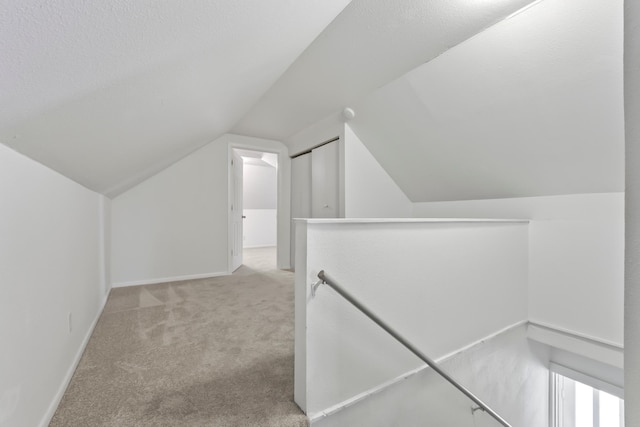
column 257, row 203
column 260, row 259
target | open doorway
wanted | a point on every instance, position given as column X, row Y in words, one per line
column 255, row 227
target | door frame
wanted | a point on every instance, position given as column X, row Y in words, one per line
column 283, row 193
column 236, row 212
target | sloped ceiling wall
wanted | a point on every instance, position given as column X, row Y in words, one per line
column 109, row 92
column 532, row 106
column 369, row 44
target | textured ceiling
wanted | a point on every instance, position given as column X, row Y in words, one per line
column 109, row 92
column 532, row 106
column 369, row 44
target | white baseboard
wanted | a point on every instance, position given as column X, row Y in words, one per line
column 480, row 341
column 168, row 279
column 46, row 419
column 271, row 245
column 362, row 396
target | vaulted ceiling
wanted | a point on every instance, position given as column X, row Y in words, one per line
column 369, row 44
column 108, row 93
column 533, row 106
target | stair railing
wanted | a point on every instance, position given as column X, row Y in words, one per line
column 324, row 279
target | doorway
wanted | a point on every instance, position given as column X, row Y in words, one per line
column 255, row 206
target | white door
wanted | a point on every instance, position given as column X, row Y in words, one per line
column 300, row 194
column 324, row 181
column 236, row 211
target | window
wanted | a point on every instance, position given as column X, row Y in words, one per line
column 583, row 401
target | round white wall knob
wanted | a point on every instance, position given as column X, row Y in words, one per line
column 348, row 114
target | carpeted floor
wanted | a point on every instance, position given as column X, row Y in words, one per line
column 209, row 352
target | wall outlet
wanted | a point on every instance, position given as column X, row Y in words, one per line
column 70, row 322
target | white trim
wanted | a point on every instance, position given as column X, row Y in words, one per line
column 271, row 245
column 587, row 379
column 230, row 208
column 482, row 341
column 284, row 191
column 598, row 349
column 169, row 279
column 555, row 408
column 362, row 396
column 375, row 390
column 579, row 335
column 48, row 416
column 406, row 220
column 229, row 204
column 528, row 324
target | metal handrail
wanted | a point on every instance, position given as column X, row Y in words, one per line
column 324, row 279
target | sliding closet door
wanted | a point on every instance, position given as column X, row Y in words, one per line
column 300, row 194
column 324, row 181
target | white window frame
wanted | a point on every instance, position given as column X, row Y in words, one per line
column 597, row 384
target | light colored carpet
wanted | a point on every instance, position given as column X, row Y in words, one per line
column 209, row 352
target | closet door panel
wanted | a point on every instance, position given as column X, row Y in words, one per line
column 300, row 194
column 324, row 181
column 301, row 186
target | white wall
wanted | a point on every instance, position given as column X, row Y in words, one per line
column 260, row 228
column 443, row 284
column 531, row 106
column 105, row 243
column 632, row 267
column 520, row 395
column 175, row 224
column 260, row 185
column 50, row 266
column 369, row 190
column 260, row 199
column 576, row 257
